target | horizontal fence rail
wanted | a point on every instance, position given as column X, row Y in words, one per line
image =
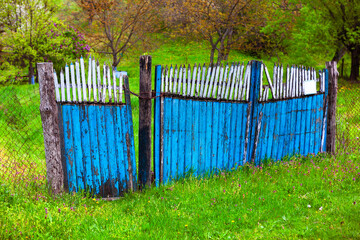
column 216, row 118
column 97, row 130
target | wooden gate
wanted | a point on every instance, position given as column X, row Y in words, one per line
column 97, row 130
column 217, row 118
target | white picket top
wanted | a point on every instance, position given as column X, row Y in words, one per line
column 73, row 86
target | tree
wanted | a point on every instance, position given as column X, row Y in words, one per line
column 115, row 26
column 31, row 34
column 344, row 18
column 223, row 23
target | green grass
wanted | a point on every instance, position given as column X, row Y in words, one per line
column 315, row 197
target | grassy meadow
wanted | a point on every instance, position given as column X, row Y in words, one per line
column 300, row 197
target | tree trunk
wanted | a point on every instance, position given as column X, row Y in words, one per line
column 355, row 63
column 31, row 71
column 340, row 52
column 212, row 55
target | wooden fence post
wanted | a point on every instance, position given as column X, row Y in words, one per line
column 50, row 123
column 332, row 96
column 145, row 121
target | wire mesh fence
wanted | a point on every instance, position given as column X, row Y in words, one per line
column 348, row 118
column 22, row 157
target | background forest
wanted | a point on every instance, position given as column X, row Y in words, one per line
column 289, row 31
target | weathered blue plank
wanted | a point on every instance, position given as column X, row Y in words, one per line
column 221, row 136
column 238, row 133
column 69, row 147
column 195, row 137
column 124, row 131
column 188, row 130
column 209, row 137
column 307, row 124
column 94, row 152
column 298, row 125
column 168, row 175
column 119, row 148
column 215, row 138
column 157, row 114
column 282, row 129
column 182, row 136
column 85, row 145
column 103, row 153
column 202, row 138
column 80, row 173
column 277, row 115
column 232, row 129
column 130, row 144
column 110, row 140
column 303, row 124
column 312, row 125
column 227, row 139
column 271, row 124
column 292, row 127
column 319, row 110
column 261, row 145
column 174, row 138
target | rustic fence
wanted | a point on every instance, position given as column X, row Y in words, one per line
column 206, row 119
column 96, row 129
column 218, row 118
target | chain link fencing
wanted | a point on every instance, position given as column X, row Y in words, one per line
column 348, row 118
column 22, row 156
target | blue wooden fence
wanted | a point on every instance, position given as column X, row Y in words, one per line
column 97, row 129
column 217, row 118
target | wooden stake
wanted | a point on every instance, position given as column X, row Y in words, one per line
column 331, row 119
column 50, row 123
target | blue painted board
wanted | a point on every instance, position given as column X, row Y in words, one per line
column 110, row 138
column 195, row 137
column 94, row 151
column 312, row 125
column 157, row 114
column 69, row 147
column 103, row 151
column 202, row 138
column 174, row 138
column 220, row 149
column 188, row 130
column 277, row 115
column 85, row 145
column 215, row 134
column 78, row 154
column 168, row 174
column 232, row 129
column 119, row 149
column 209, row 137
column 182, row 136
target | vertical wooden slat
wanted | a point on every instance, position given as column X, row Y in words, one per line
column 171, row 78
column 215, row 82
column 248, row 115
column 109, row 83
column 89, row 79
column 208, row 130
column 202, row 85
column 78, row 80
column 82, row 70
column 228, row 82
column 85, row 146
column 239, row 83
column 332, row 96
column 56, row 87
column 181, row 159
column 175, row 79
column 234, row 81
column 110, row 138
column 198, row 81
column 184, row 81
column 269, row 80
column 192, row 91
column 166, row 75
column 208, row 75
column 174, row 139
column 62, row 84
column 202, row 137
column 94, row 81
column 103, row 94
column 157, row 130
column 94, row 141
column 114, row 86
column 220, row 87
column 179, row 80
column 195, row 136
column 73, row 83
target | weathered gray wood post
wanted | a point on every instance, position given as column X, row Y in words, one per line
column 50, row 123
column 332, row 96
column 145, row 121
